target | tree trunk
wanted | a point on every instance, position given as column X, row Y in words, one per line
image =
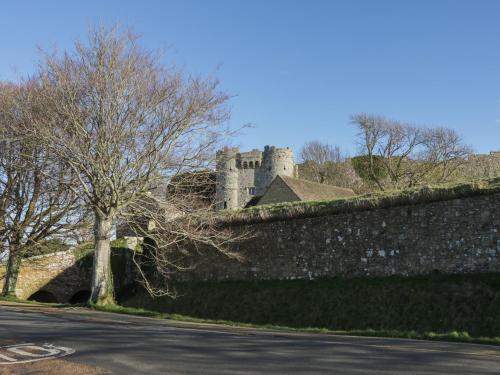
column 102, row 276
column 12, row 272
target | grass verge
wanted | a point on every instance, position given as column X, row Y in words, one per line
column 461, row 308
column 456, row 306
column 34, row 303
column 454, row 336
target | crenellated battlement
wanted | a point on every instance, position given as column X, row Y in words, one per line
column 242, row 176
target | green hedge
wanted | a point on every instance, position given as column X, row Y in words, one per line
column 436, row 303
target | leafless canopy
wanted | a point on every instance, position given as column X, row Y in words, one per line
column 320, row 153
column 35, row 205
column 178, row 232
column 125, row 125
column 409, row 154
column 327, row 164
column 320, row 161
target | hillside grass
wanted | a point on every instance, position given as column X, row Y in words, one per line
column 466, row 306
column 461, row 308
column 419, row 195
column 453, row 336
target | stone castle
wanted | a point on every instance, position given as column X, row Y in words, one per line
column 454, row 232
column 244, row 176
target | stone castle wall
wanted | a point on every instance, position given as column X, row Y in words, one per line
column 227, row 185
column 449, row 236
column 244, row 175
column 459, row 235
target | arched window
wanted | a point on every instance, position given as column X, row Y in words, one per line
column 245, row 165
column 251, row 165
column 257, row 165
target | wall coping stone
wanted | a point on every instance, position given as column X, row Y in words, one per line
column 407, row 197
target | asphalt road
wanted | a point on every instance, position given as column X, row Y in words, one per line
column 118, row 344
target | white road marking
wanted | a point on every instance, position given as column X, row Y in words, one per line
column 48, row 351
column 24, row 353
column 5, row 358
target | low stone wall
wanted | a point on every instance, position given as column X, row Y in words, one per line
column 450, row 236
column 64, row 274
column 61, row 274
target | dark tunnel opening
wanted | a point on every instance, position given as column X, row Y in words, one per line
column 43, row 296
column 81, row 296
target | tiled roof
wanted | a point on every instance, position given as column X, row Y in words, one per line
column 312, row 191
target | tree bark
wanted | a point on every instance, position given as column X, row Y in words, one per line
column 102, row 276
column 12, row 272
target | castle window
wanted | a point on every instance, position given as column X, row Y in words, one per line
column 251, row 165
column 245, row 165
column 251, row 190
column 225, row 204
column 257, row 164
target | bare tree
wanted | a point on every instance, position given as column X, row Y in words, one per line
column 125, row 124
column 180, row 230
column 387, row 141
column 403, row 155
column 320, row 152
column 319, row 159
column 481, row 166
column 443, row 155
column 35, row 206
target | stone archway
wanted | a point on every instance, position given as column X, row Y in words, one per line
column 43, row 296
column 82, row 296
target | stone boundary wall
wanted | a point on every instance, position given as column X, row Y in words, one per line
column 458, row 235
column 61, row 274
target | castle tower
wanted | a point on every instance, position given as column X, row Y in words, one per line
column 227, row 179
column 275, row 161
column 243, row 176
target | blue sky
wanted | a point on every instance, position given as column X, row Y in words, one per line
column 299, row 69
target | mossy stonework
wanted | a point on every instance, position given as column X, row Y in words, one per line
column 459, row 235
column 452, row 230
column 62, row 275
